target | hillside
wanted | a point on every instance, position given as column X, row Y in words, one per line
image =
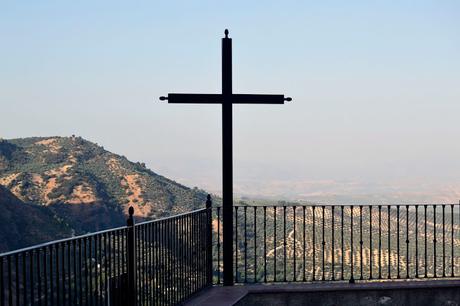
column 85, row 185
column 23, row 224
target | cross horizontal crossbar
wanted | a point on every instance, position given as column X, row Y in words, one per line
column 219, row 99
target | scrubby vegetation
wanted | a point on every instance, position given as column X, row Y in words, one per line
column 87, row 186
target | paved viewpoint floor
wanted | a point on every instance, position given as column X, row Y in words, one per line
column 430, row 293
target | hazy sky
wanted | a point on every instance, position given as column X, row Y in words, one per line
column 376, row 87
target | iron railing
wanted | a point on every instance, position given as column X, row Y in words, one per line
column 305, row 243
column 160, row 262
column 166, row 261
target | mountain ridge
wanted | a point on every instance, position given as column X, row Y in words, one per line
column 87, row 186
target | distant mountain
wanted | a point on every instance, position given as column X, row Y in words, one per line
column 85, row 186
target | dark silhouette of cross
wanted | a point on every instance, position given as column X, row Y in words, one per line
column 227, row 99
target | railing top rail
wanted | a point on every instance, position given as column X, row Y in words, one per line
column 76, row 238
column 54, row 242
column 172, row 217
column 338, row 205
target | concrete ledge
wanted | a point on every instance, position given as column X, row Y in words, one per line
column 343, row 286
column 218, row 295
column 228, row 296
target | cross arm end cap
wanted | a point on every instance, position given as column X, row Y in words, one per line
column 289, row 99
column 163, row 98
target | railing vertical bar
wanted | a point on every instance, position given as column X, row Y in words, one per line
column 371, row 250
column 143, row 263
column 91, row 292
column 10, row 281
column 175, row 256
column 203, row 249
column 434, row 241
column 16, row 274
column 202, row 230
column 190, row 249
column 39, row 277
column 85, row 258
column 304, row 244
column 397, row 241
column 169, row 251
column 245, row 244
column 218, row 245
column 416, row 241
column 443, row 241
column 45, row 269
column 106, row 262
column 101, row 265
column 333, row 242
column 117, row 253
column 172, row 265
column 151, row 248
column 66, row 274
column 294, row 249
column 407, row 242
column 2, row 285
column 166, row 255
column 313, row 243
column 75, row 278
column 198, row 224
column 380, row 241
column 198, row 227
column 323, row 242
column 452, row 239
column 389, row 240
column 198, row 251
column 274, row 243
column 194, row 257
column 425, row 245
column 265, row 244
column 352, row 279
column 68, row 279
column 284, row 243
column 80, row 272
column 139, row 262
column 361, row 242
column 156, row 247
column 154, row 267
column 236, row 245
column 255, row 244
column 51, row 276
column 58, row 277
column 187, row 251
column 95, row 274
column 65, row 296
column 153, row 283
column 24, row 278
column 32, row 282
column 137, row 267
column 161, row 273
column 342, row 277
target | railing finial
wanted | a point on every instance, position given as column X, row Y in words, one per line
column 130, row 221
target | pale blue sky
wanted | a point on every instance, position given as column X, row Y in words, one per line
column 376, row 86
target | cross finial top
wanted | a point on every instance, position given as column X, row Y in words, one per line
column 226, row 33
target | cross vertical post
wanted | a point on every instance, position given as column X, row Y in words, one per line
column 227, row 160
column 227, row 98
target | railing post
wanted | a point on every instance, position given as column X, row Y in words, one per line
column 131, row 256
column 209, row 239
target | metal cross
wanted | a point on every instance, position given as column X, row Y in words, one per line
column 227, row 99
